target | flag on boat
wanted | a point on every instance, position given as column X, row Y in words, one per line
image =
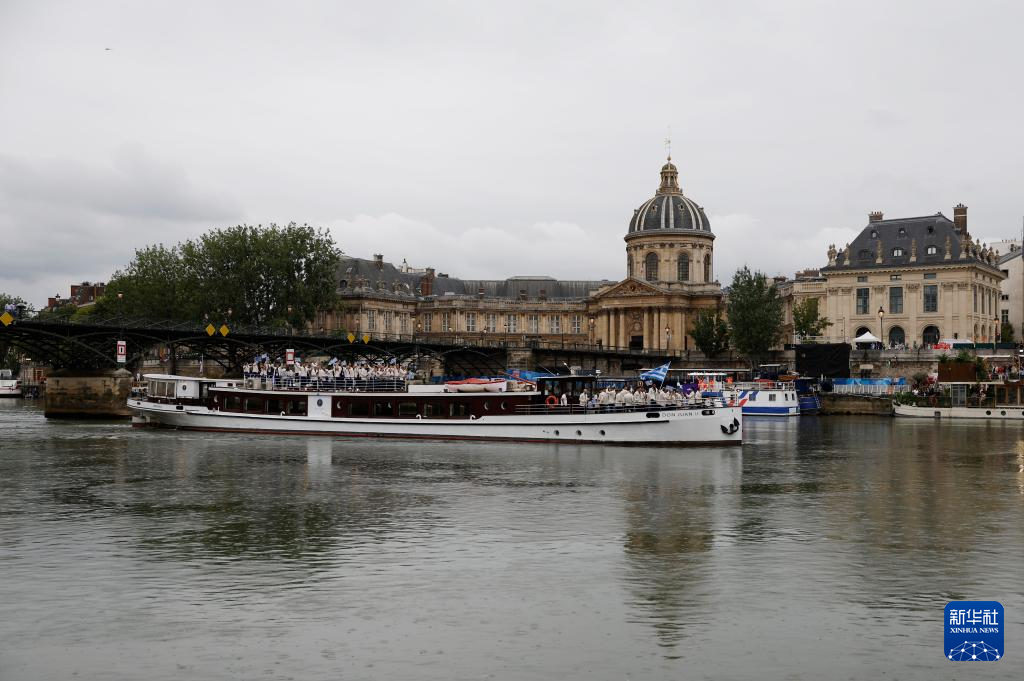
column 658, row 374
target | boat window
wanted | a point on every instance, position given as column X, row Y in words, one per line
column 459, row 409
column 487, row 406
column 274, row 406
column 771, row 398
column 359, row 408
column 253, row 405
column 233, row 403
column 432, row 409
column 297, row 407
column 383, row 409
column 407, row 409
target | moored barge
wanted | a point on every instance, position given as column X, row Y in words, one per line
column 389, row 408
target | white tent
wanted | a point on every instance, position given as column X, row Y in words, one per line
column 867, row 337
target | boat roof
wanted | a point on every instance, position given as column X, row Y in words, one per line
column 172, row 377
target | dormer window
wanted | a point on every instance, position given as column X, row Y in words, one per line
column 932, row 250
column 897, row 252
column 902, row 233
column 931, row 229
column 864, row 254
column 874, row 234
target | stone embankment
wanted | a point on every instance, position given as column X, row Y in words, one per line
column 856, row 404
column 102, row 395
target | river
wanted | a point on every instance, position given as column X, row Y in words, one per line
column 823, row 548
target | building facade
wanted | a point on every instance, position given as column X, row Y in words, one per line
column 1011, row 291
column 912, row 282
column 669, row 279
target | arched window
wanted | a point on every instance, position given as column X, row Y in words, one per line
column 897, row 336
column 861, row 331
column 651, row 267
column 683, row 268
column 930, row 336
column 707, row 268
column 629, row 266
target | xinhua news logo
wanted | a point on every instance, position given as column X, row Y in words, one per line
column 974, row 631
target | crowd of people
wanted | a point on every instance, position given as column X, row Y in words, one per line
column 638, row 396
column 331, row 375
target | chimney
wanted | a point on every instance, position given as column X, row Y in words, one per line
column 378, row 260
column 427, row 283
column 542, row 294
column 875, row 216
column 479, row 291
column 960, row 219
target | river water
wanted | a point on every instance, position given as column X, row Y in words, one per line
column 824, row 548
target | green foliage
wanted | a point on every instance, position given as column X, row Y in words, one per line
column 755, row 313
column 806, row 319
column 255, row 272
column 963, row 356
column 1006, row 333
column 919, row 379
column 944, row 357
column 710, row 333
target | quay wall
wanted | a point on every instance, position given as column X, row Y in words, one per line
column 97, row 396
column 833, row 404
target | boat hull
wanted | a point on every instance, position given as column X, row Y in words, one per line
column 711, row 426
column 976, row 413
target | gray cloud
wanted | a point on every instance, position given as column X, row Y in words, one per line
column 519, row 135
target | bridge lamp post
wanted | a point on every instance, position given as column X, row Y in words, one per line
column 881, row 327
column 291, row 330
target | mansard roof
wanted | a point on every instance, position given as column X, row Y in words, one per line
column 898, row 240
column 362, row 276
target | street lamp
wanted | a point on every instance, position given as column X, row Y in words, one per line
column 291, row 329
column 668, row 336
column 881, row 329
column 591, row 322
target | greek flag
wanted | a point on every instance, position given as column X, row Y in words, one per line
column 658, row 374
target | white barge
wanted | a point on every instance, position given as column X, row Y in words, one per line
column 9, row 385
column 389, row 409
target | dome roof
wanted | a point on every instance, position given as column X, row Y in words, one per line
column 669, row 209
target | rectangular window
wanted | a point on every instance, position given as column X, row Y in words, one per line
column 233, row 403
column 407, row 409
column 1004, row 296
column 297, row 407
column 446, row 322
column 383, row 408
column 513, row 323
column 428, row 321
column 577, row 323
column 895, row 277
column 555, row 324
column 929, row 275
column 492, row 323
column 532, row 323
column 862, row 280
column 371, row 320
column 896, row 300
column 974, row 289
column 1004, row 316
column 359, row 408
column 389, row 320
column 254, row 405
column 432, row 409
column 931, row 298
column 863, row 300
column 404, row 324
column 471, row 321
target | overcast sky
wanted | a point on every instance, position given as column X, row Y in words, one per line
column 489, row 139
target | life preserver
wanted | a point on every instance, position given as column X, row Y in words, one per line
column 552, row 401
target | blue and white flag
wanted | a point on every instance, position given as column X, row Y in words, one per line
column 658, row 374
column 334, row 360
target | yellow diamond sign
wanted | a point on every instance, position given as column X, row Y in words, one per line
column 366, row 338
column 6, row 318
column 224, row 329
column 210, row 329
column 351, row 338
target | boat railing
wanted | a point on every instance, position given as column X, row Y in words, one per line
column 331, row 384
column 565, row 409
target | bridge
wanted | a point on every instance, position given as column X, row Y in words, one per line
column 91, row 344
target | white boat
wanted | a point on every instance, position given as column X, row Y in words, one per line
column 388, row 409
column 9, row 385
column 1001, row 402
column 756, row 398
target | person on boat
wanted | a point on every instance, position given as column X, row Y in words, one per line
column 564, row 400
column 584, row 399
column 628, row 400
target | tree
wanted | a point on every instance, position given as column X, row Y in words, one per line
column 9, row 357
column 806, row 320
column 257, row 273
column 1006, row 333
column 755, row 313
column 710, row 333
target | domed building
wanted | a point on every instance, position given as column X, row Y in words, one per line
column 669, row 279
column 669, row 274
